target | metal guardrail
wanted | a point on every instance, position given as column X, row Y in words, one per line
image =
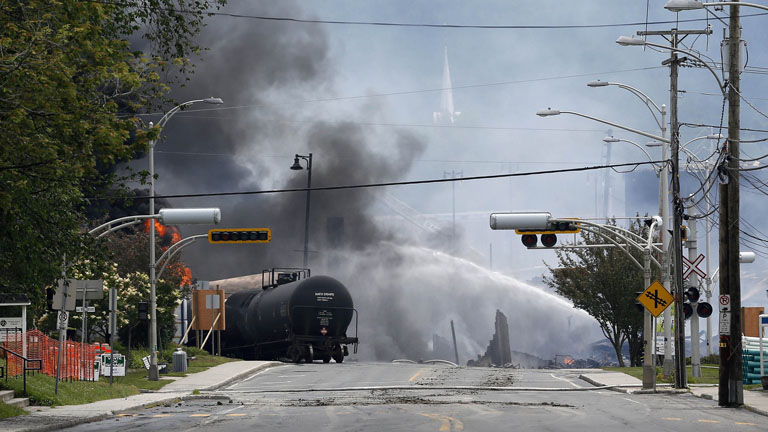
column 25, row 362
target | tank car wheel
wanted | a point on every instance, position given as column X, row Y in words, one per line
column 294, row 354
column 337, row 354
column 309, row 354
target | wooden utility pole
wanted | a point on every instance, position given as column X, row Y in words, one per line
column 731, row 390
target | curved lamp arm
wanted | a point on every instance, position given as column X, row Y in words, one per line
column 640, row 95
column 174, row 249
column 628, row 41
column 550, row 112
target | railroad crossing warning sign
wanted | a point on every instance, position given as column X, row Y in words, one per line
column 656, row 298
column 693, row 267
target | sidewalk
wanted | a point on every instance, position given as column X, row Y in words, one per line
column 48, row 419
column 754, row 400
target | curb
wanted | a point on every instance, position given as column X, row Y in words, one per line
column 745, row 406
column 242, row 375
column 63, row 422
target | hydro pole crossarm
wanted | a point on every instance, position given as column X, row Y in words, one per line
column 174, row 249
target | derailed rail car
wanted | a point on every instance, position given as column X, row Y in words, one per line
column 291, row 318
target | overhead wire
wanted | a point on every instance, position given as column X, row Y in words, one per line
column 394, row 183
column 425, row 25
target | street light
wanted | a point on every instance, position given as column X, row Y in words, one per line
column 612, row 139
column 153, row 374
column 550, row 112
column 297, row 167
column 684, row 5
column 630, row 41
column 663, row 202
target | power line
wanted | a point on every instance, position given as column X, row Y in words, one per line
column 425, row 25
column 408, row 92
column 400, row 183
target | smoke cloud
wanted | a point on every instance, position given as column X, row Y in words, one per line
column 266, row 72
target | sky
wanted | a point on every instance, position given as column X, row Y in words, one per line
column 360, row 98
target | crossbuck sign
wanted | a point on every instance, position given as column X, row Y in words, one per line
column 692, row 267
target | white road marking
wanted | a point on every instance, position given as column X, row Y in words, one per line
column 566, row 380
column 632, row 400
column 254, row 376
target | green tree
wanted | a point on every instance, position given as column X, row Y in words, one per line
column 603, row 282
column 69, row 83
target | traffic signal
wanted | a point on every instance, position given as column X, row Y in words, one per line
column 240, row 235
column 692, row 294
column 639, row 306
column 548, row 234
column 529, row 240
column 687, row 310
column 704, row 309
column 143, row 311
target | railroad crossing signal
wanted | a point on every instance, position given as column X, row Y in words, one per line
column 655, row 298
column 240, row 235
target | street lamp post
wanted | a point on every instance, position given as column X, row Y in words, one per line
column 297, row 167
column 649, row 369
column 153, row 373
column 668, row 366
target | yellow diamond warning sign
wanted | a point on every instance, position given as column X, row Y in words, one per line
column 656, row 298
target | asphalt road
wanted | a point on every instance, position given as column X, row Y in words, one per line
column 413, row 397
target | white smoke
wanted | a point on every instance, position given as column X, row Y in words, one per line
column 406, row 293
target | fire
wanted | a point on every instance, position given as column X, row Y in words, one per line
column 186, row 278
column 568, row 360
column 168, row 236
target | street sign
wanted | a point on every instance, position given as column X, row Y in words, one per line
column 725, row 323
column 64, row 299
column 94, row 289
column 725, row 303
column 106, row 365
column 655, row 298
column 63, row 320
column 89, row 309
column 693, row 267
column 12, row 326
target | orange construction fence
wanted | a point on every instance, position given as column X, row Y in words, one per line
column 78, row 361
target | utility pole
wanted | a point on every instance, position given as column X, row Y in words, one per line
column 731, row 390
column 677, row 202
column 677, row 222
column 453, row 174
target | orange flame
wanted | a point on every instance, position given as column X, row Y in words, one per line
column 186, row 278
column 568, row 361
column 170, row 235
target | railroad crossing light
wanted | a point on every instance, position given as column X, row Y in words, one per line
column 704, row 309
column 692, row 293
column 240, row 235
column 143, row 311
column 548, row 233
column 548, row 240
column 687, row 310
column 684, row 232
